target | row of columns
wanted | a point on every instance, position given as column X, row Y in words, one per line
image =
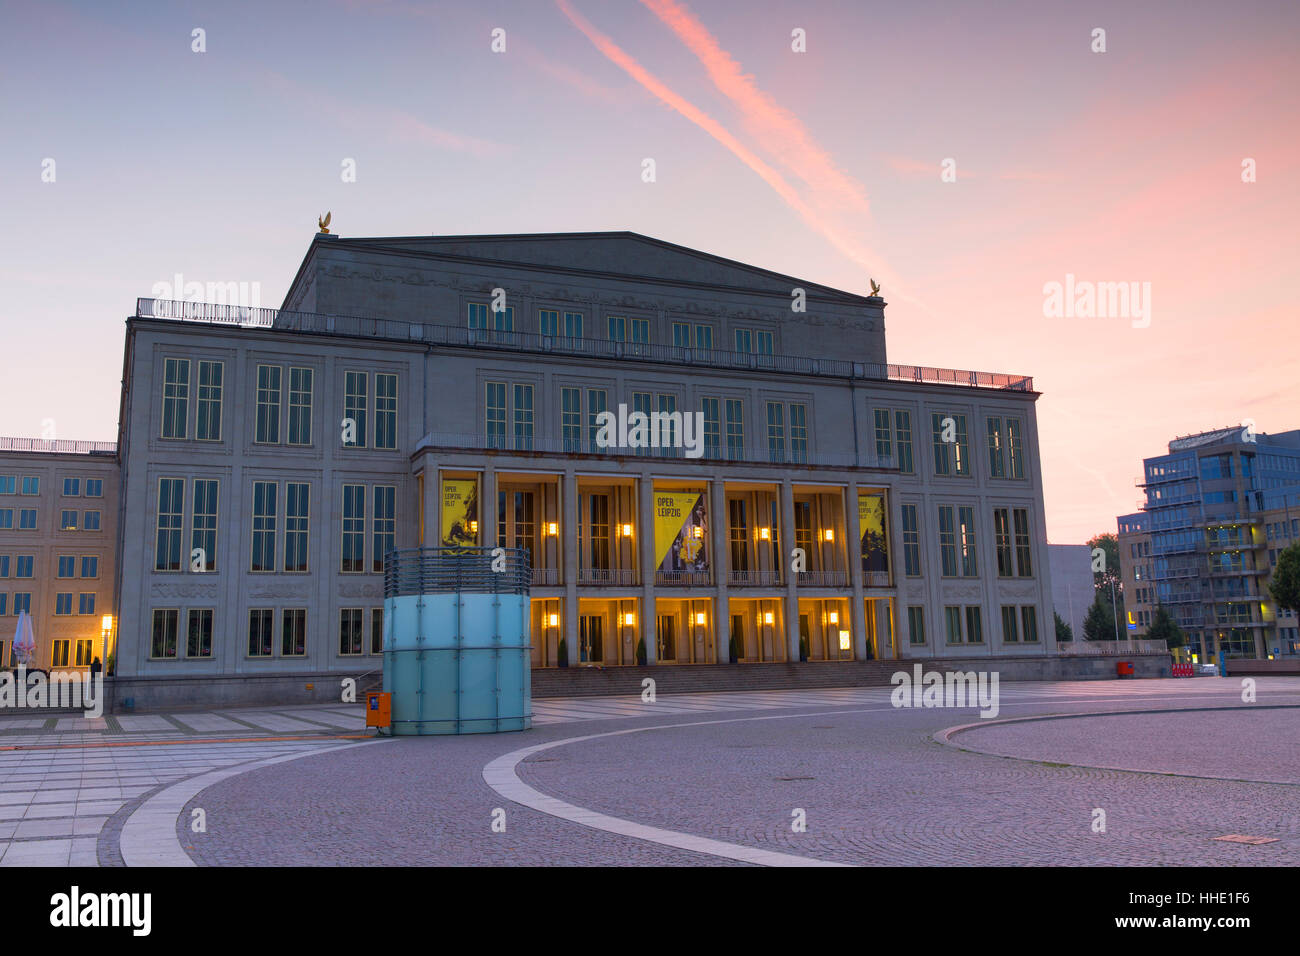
column 646, row 627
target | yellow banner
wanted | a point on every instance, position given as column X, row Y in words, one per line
column 871, row 522
column 459, row 512
column 681, row 530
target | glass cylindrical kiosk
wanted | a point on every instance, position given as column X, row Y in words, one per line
column 457, row 651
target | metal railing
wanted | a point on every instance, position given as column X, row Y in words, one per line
column 440, row 570
column 546, row 577
column 1111, row 648
column 684, row 578
column 754, row 455
column 754, row 579
column 619, row 577
column 824, row 579
column 61, row 446
column 434, row 334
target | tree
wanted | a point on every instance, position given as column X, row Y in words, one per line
column 1063, row 631
column 1285, row 586
column 1099, row 625
column 1165, row 628
column 1109, row 571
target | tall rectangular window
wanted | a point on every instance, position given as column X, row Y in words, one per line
column 83, row 651
column 376, row 630
column 974, row 625
column 947, row 542
column 1010, row 625
column 207, row 426
column 171, row 507
column 165, row 624
column 1024, row 563
column 267, row 426
column 884, row 436
column 1016, row 448
column 356, row 405
column 89, row 566
column 265, row 516
column 597, row 402
column 667, row 431
column 261, row 625
column 951, row 444
column 72, row 488
column 8, row 484
column 640, row 331
column 952, row 619
column 1029, row 620
column 478, row 315
column 300, row 390
column 681, row 335
column 293, row 632
column 548, row 321
column 297, row 525
column 495, row 414
column 744, row 340
column 203, row 525
column 799, row 433
column 384, row 531
column 523, row 417
column 776, row 431
column 386, row 410
column 997, row 463
column 94, row 487
column 1002, row 541
column 915, row 624
column 354, row 529
column 911, row 542
column 176, row 397
column 67, row 520
column 617, row 328
column 26, row 566
column 349, row 631
column 712, row 428
column 198, row 641
column 503, row 318
column 90, row 521
column 63, row 603
column 571, row 418
column 31, row 485
column 643, row 403
column 573, row 325
column 67, row 566
column 764, row 342
column 86, row 603
column 969, row 564
column 735, row 429
column 704, row 337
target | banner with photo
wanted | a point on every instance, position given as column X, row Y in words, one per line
column 681, row 530
column 871, row 522
column 459, row 512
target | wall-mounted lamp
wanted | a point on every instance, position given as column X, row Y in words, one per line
column 626, row 530
column 473, row 527
column 553, row 620
column 697, row 531
column 628, row 619
column 833, row 617
column 828, row 534
column 767, row 617
column 764, row 534
column 701, row 618
column 552, row 529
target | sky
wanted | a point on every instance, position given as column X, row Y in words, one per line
column 966, row 155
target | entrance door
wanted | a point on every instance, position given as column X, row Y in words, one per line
column 591, row 629
column 737, row 645
column 665, row 625
column 805, row 636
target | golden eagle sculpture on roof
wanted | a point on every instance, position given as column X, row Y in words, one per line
column 875, row 286
column 324, row 223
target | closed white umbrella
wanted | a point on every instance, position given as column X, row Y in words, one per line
column 24, row 639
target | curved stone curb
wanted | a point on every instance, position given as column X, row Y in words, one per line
column 945, row 737
column 500, row 775
column 148, row 836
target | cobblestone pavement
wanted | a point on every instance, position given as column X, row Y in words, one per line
column 874, row 784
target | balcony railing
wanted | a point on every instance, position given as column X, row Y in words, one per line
column 617, row 577
column 585, row 446
column 438, row 570
column 685, row 579
column 59, row 446
column 754, row 579
column 824, row 579
column 453, row 335
column 546, row 577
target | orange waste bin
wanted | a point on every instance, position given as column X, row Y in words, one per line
column 379, row 709
column 1124, row 668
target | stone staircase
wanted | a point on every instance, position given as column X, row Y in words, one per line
column 699, row 678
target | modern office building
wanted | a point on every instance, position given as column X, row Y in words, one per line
column 1219, row 507
column 772, row 486
column 58, row 541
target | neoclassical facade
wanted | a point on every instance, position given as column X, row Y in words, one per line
column 450, row 391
